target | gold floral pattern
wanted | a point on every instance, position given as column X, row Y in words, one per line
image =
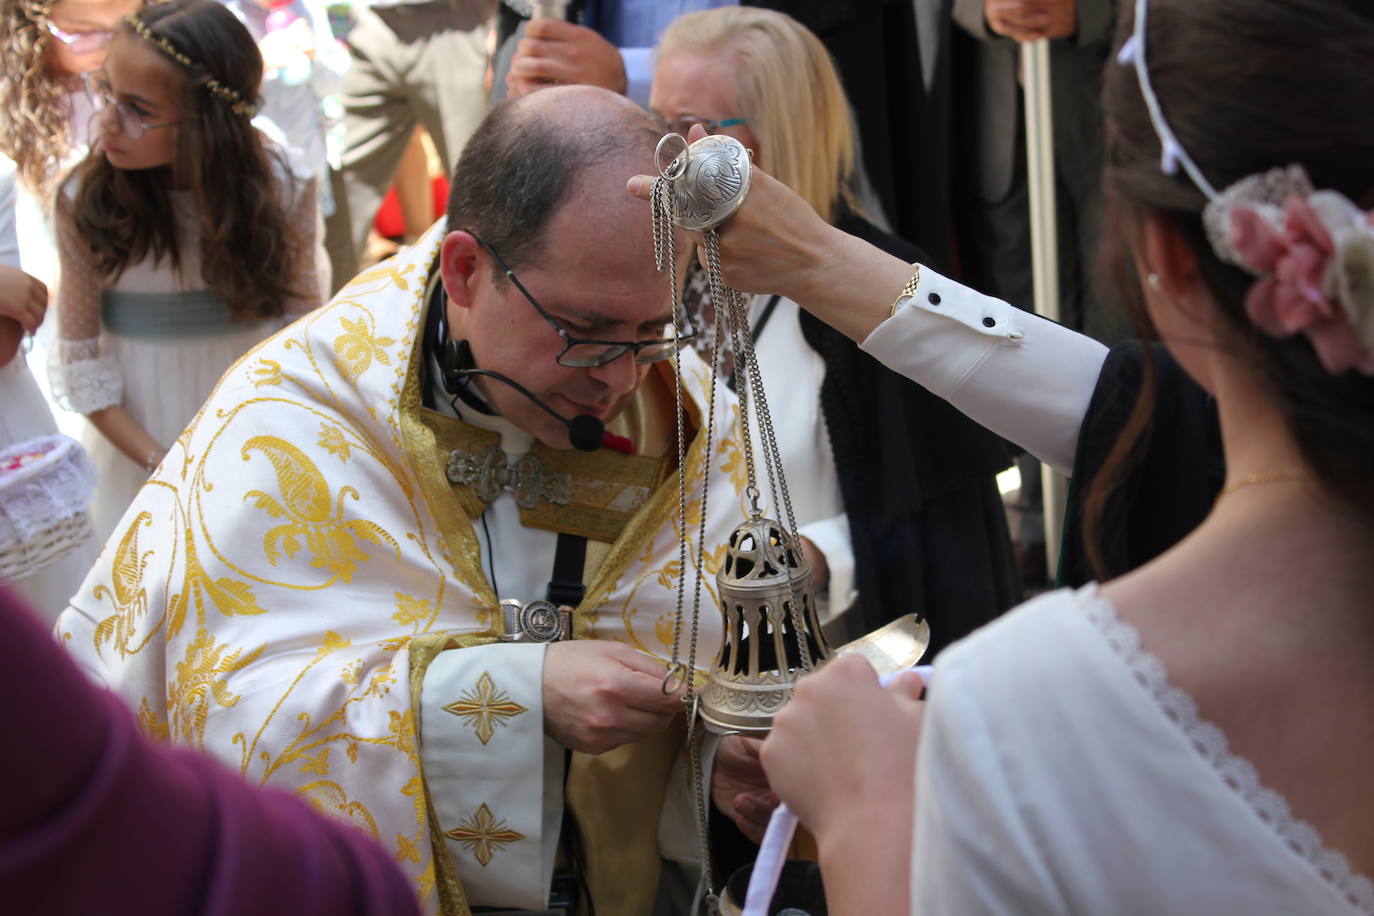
column 357, row 347
column 313, row 519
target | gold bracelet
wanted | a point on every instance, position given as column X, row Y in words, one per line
column 908, row 291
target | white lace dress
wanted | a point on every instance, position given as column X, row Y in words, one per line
column 1060, row 772
column 155, row 342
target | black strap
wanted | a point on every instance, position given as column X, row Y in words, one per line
column 756, row 332
column 569, row 559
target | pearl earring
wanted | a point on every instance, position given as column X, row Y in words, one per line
column 1155, row 284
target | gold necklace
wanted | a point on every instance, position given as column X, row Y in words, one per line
column 1293, row 473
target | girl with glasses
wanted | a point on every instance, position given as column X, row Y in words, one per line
column 183, row 238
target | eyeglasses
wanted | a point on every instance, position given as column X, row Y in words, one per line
column 130, row 121
column 683, row 124
column 81, row 42
column 581, row 353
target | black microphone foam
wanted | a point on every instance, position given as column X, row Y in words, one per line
column 585, row 432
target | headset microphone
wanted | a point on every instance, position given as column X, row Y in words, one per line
column 585, row 432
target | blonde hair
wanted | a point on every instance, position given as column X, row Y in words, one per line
column 788, row 88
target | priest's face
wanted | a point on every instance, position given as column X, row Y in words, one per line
column 594, row 276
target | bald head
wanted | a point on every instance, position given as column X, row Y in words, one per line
column 533, row 155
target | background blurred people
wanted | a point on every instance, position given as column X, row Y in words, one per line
column 303, row 68
column 413, row 62
column 183, row 239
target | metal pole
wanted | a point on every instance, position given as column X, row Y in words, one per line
column 1035, row 81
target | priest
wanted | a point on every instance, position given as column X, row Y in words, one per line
column 373, row 572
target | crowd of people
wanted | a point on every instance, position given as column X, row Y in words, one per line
column 377, row 604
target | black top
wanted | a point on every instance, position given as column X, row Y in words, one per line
column 1171, row 479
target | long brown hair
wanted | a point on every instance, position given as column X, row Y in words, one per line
column 249, row 254
column 1248, row 86
column 36, row 131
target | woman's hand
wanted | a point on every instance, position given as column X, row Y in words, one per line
column 22, row 298
column 842, row 755
column 845, row 743
column 776, row 243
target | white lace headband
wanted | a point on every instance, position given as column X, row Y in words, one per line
column 1312, row 251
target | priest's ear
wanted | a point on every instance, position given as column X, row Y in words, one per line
column 459, row 257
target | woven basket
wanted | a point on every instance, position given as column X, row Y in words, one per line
column 43, row 503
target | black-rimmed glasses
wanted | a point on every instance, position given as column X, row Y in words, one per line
column 582, row 353
column 130, row 121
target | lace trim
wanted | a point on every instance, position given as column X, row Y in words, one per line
column 1236, row 772
column 81, row 380
column 36, row 496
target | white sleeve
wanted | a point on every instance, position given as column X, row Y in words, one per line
column 831, row 537
column 495, row 781
column 1025, row 378
column 9, row 235
column 972, row 852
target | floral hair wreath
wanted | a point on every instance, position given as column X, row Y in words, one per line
column 1313, row 251
column 236, row 102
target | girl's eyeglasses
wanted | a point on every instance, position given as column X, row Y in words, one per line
column 81, row 42
column 102, row 97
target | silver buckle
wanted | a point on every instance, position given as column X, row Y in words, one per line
column 535, row 621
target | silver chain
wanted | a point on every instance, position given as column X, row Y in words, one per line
column 750, row 386
column 731, row 317
column 665, row 258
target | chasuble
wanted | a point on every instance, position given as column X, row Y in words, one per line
column 299, row 591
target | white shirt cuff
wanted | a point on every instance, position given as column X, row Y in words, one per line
column 495, row 780
column 1025, row 378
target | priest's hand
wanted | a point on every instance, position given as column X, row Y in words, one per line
column 554, row 52
column 600, row 694
column 740, row 788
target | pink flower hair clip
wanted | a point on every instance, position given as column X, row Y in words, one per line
column 1313, row 252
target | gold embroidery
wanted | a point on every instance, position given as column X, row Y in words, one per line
column 332, row 541
column 357, row 348
column 485, row 708
column 484, row 834
column 269, row 373
column 332, row 440
column 329, row 798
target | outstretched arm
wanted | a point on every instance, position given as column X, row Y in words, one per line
column 1027, row 379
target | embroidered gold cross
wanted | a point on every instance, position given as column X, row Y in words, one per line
column 485, row 708
column 484, row 835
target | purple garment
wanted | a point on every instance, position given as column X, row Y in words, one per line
column 97, row 819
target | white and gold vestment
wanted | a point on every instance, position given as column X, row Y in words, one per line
column 299, row 591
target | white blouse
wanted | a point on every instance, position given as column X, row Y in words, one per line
column 1060, row 772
